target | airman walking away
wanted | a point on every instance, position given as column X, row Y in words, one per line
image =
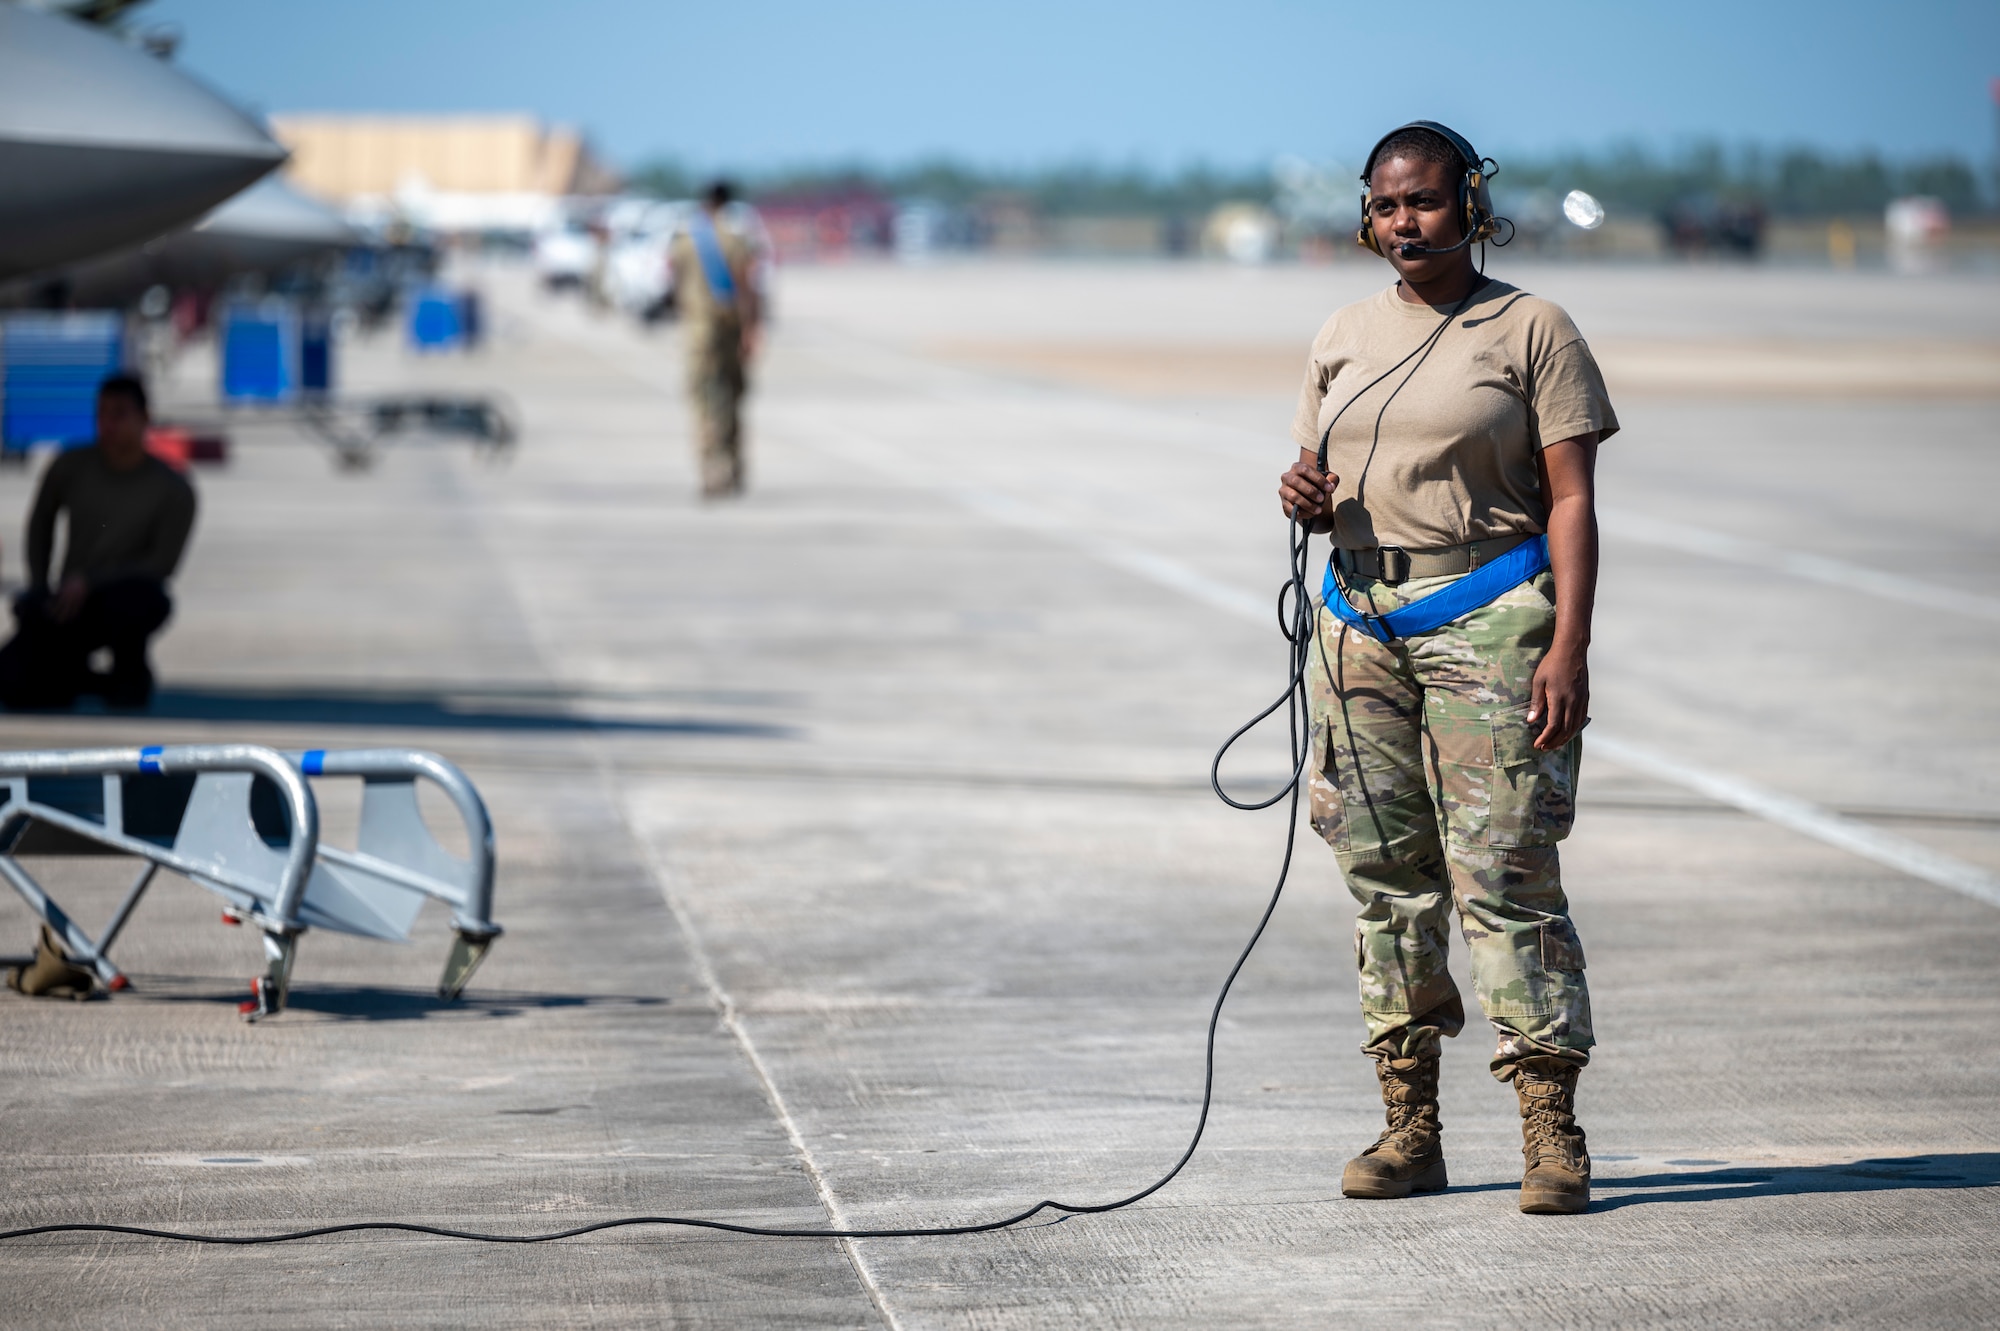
column 714, row 276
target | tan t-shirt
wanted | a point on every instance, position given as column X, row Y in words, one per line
column 697, row 304
column 1455, row 457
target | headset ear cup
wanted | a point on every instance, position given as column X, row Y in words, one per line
column 1479, row 220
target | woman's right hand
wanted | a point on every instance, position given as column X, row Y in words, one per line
column 1305, row 492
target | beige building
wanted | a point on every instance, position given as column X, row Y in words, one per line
column 348, row 157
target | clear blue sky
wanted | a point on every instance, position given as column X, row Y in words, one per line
column 741, row 84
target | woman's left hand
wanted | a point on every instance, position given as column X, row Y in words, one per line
column 1561, row 696
column 1560, row 699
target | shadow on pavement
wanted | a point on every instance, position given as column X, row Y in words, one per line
column 440, row 709
column 1979, row 1169
column 386, row 1003
column 369, row 1003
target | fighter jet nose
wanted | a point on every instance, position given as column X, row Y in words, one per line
column 103, row 146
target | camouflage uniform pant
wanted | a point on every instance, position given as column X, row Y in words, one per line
column 715, row 384
column 1427, row 785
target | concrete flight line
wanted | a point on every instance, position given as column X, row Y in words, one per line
column 1802, row 816
column 1621, row 523
column 1896, row 852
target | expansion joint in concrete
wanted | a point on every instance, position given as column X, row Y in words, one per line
column 663, row 876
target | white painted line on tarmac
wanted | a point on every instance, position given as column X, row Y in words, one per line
column 1623, row 523
column 1008, row 511
column 1821, row 824
column 1155, row 568
column 1787, row 811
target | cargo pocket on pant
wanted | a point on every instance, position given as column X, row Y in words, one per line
column 1533, row 792
column 1328, row 810
column 1562, row 950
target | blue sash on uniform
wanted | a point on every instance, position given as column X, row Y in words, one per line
column 714, row 264
column 1481, row 586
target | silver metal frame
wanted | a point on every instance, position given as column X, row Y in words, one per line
column 274, row 889
column 395, row 847
column 235, row 870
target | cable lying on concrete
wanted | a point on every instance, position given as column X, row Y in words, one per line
column 1295, row 619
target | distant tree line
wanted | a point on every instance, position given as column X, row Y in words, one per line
column 1076, row 190
column 1790, row 182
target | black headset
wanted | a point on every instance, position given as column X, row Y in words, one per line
column 1475, row 195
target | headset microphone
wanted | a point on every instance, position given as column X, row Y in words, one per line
column 1409, row 249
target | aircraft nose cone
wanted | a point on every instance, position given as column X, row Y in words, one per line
column 103, row 146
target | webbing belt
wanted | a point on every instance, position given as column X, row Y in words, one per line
column 1481, row 586
column 714, row 264
column 1393, row 564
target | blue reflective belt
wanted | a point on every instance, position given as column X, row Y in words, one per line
column 1481, row 586
column 714, row 265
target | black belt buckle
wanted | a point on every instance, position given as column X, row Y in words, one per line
column 1395, row 562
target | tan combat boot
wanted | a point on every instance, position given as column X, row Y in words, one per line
column 1557, row 1177
column 51, row 974
column 1409, row 1156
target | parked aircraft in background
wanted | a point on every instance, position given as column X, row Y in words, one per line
column 1706, row 224
column 265, row 229
column 103, row 146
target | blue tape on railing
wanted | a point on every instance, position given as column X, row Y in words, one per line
column 313, row 762
column 149, row 760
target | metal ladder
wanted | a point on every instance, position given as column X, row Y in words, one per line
column 241, row 821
